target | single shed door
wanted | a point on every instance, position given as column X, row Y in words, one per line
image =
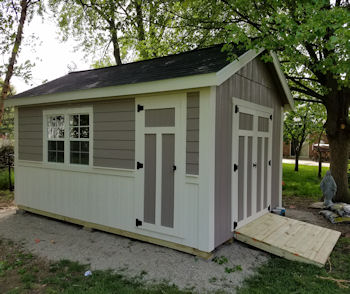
column 251, row 154
column 158, row 166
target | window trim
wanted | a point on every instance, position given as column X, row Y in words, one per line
column 66, row 112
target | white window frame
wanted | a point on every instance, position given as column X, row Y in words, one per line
column 66, row 112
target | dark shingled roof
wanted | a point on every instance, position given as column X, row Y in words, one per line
column 199, row 61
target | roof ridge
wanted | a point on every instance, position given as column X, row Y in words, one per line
column 148, row 60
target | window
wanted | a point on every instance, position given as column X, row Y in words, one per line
column 68, row 136
column 79, row 133
column 55, row 135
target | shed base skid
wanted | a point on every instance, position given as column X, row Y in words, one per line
column 172, row 245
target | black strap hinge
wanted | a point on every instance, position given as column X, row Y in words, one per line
column 235, row 167
column 269, row 162
column 269, row 208
column 236, row 108
column 139, row 107
column 139, row 165
column 174, row 167
column 235, row 225
column 271, row 116
column 138, row 223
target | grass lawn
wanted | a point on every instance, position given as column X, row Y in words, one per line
column 303, row 183
column 284, row 276
column 21, row 272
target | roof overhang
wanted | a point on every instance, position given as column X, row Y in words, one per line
column 174, row 84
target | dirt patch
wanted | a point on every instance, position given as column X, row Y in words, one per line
column 19, row 269
column 56, row 240
column 298, row 208
column 6, row 200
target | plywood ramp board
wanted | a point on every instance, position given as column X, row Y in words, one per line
column 289, row 238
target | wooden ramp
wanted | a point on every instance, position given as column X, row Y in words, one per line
column 289, row 238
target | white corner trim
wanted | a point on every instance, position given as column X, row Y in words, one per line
column 282, row 79
column 223, row 74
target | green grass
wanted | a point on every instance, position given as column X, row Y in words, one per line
column 4, row 179
column 21, row 272
column 284, row 276
column 303, row 183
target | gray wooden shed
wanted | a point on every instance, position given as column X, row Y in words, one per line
column 179, row 151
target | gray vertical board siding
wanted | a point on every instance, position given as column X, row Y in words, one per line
column 249, row 176
column 160, row 117
column 30, row 133
column 257, row 83
column 241, row 176
column 266, row 164
column 276, row 155
column 263, row 124
column 223, row 165
column 192, row 133
column 259, row 173
column 167, row 202
column 114, row 133
column 150, row 165
column 245, row 121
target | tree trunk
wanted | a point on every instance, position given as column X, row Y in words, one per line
column 338, row 132
column 116, row 49
column 319, row 156
column 296, row 167
column 12, row 61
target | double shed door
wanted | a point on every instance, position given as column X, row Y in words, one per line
column 160, row 164
column 251, row 154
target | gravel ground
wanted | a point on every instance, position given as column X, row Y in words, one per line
column 101, row 250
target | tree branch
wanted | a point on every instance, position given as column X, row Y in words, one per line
column 308, row 92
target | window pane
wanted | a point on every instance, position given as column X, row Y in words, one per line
column 84, row 146
column 84, row 158
column 55, row 127
column 52, row 156
column 74, row 146
column 74, row 120
column 74, row 132
column 51, row 145
column 84, row 120
column 60, row 145
column 60, row 156
column 74, row 157
column 84, row 132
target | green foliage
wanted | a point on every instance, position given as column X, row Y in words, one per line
column 9, row 20
column 304, row 183
column 220, row 259
column 137, row 29
column 301, row 124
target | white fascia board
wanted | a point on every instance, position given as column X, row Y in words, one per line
column 282, row 79
column 225, row 73
column 188, row 82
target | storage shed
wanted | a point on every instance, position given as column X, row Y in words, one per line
column 179, row 151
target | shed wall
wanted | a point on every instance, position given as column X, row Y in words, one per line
column 30, row 134
column 114, row 133
column 255, row 83
column 192, row 133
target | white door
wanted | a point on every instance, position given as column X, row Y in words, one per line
column 159, row 165
column 251, row 155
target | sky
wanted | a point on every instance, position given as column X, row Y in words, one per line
column 54, row 55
